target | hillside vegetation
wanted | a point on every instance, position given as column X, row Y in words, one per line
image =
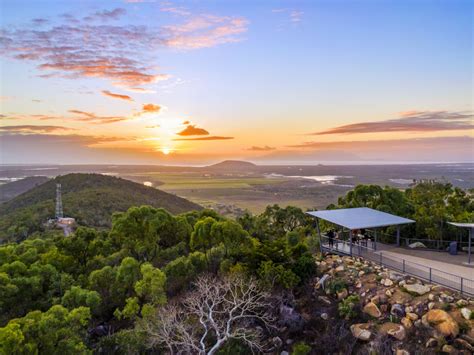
column 15, row 188
column 90, row 198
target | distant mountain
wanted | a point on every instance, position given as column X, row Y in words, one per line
column 233, row 165
column 90, row 198
column 15, row 188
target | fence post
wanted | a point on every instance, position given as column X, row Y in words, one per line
column 380, row 258
column 430, row 275
column 403, row 265
column 462, row 285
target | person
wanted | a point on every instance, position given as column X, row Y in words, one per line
column 331, row 238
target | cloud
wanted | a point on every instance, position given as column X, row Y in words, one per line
column 186, row 122
column 21, row 129
column 93, row 118
column 410, row 121
column 116, row 96
column 210, row 138
column 204, row 31
column 294, row 16
column 192, row 130
column 123, row 53
column 39, row 21
column 148, row 108
column 154, row 126
column 265, row 148
column 106, row 15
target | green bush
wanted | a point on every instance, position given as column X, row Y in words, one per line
column 301, row 348
column 349, row 307
column 336, row 285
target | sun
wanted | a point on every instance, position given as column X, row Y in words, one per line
column 166, row 150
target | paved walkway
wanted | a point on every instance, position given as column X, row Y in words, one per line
column 438, row 260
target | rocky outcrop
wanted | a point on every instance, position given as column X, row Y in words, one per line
column 442, row 322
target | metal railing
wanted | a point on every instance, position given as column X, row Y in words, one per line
column 430, row 274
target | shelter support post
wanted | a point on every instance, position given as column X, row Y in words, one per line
column 398, row 236
column 375, row 239
column 469, row 245
column 350, row 242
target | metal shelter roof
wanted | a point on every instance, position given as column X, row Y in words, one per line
column 361, row 217
column 462, row 225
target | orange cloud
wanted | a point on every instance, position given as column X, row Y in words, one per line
column 210, row 138
column 116, row 96
column 93, row 118
column 151, row 108
column 265, row 148
column 192, row 130
column 20, row 129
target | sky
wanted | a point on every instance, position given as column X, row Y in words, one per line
column 197, row 82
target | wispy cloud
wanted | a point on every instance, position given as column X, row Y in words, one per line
column 20, row 129
column 94, row 118
column 264, row 148
column 119, row 52
column 294, row 16
column 116, row 96
column 209, row 138
column 192, row 130
column 410, row 121
column 106, row 15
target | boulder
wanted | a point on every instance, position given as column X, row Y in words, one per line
column 412, row 316
column 388, row 283
column 342, row 294
column 397, row 310
column 393, row 329
column 417, row 245
column 361, row 331
column 466, row 313
column 372, row 310
column 406, row 322
column 418, row 289
column 442, row 322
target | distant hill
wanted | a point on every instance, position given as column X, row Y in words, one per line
column 15, row 188
column 233, row 165
column 90, row 198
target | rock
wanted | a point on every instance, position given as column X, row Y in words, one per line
column 406, row 322
column 463, row 344
column 340, row 268
column 388, row 293
column 358, row 285
column 372, row 310
column 277, row 342
column 397, row 310
column 289, row 341
column 418, row 289
column 431, row 305
column 325, row 316
column 361, row 273
column 417, row 245
column 442, row 322
column 431, row 343
column 342, row 294
column 361, row 331
column 402, row 352
column 448, row 349
column 325, row 300
column 431, row 297
column 388, row 283
column 462, row 303
column 284, row 352
column 468, row 338
column 393, row 329
column 395, row 276
column 290, row 318
column 408, row 309
column 466, row 313
column 375, row 299
column 412, row 316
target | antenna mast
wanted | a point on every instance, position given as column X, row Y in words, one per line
column 59, row 202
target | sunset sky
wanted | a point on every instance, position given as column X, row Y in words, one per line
column 196, row 82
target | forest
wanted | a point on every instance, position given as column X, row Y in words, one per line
column 156, row 282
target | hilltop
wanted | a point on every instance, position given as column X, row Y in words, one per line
column 233, row 165
column 90, row 198
column 15, row 188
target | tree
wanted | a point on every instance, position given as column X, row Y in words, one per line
column 217, row 311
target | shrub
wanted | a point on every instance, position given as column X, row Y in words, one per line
column 349, row 307
column 301, row 348
column 336, row 285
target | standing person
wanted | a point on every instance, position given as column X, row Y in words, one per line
column 331, row 238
